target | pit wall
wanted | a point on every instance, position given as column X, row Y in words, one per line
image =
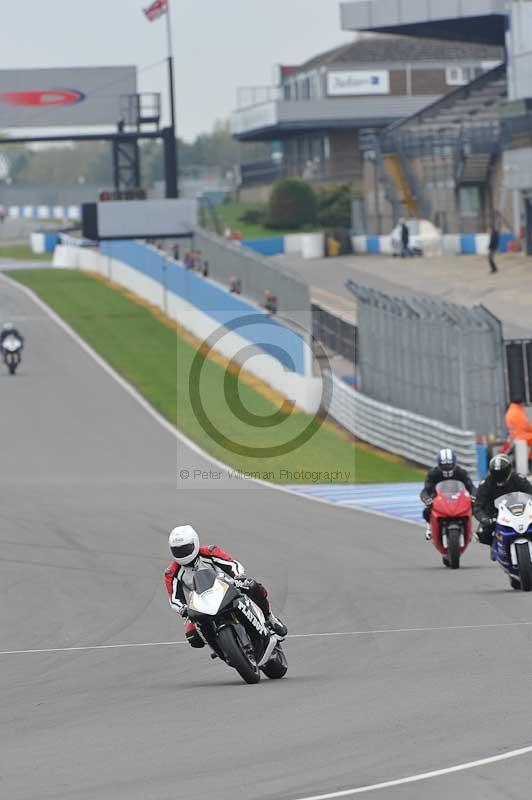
column 271, row 351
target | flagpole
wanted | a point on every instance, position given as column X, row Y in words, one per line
column 173, row 126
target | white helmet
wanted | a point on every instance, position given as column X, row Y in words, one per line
column 184, row 544
column 8, row 326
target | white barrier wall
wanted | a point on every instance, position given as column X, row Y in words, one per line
column 302, row 389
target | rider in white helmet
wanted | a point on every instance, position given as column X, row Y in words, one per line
column 186, row 549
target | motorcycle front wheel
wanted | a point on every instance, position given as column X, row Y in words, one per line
column 277, row 665
column 525, row 567
column 231, row 648
column 453, row 546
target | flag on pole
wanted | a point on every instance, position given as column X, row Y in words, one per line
column 156, row 9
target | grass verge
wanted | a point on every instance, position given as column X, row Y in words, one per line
column 156, row 357
column 23, row 252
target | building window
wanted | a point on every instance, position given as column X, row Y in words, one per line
column 469, row 201
column 461, row 76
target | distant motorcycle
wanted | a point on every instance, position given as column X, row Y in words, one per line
column 451, row 521
column 512, row 542
column 12, row 352
column 233, row 626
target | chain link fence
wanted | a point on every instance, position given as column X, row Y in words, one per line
column 433, row 358
column 257, row 274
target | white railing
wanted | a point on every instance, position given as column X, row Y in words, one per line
column 409, row 435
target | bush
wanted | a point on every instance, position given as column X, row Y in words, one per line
column 334, row 206
column 292, row 205
column 255, row 215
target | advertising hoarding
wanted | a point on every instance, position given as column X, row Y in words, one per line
column 139, row 219
column 346, row 83
column 40, row 98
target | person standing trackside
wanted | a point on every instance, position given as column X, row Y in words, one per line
column 493, row 248
column 405, row 239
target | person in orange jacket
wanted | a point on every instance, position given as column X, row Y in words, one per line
column 517, row 422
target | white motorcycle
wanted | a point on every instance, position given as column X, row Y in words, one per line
column 12, row 352
column 233, row 626
column 512, row 541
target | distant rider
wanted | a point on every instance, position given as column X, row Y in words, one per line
column 187, row 552
column 445, row 470
column 8, row 329
column 501, row 480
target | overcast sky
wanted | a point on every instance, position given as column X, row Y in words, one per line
column 218, row 44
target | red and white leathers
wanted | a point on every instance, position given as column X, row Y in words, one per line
column 177, row 578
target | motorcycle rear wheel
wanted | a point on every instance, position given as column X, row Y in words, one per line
column 231, row 648
column 277, row 665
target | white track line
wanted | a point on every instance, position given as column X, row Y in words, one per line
column 290, row 636
column 423, row 776
column 130, row 389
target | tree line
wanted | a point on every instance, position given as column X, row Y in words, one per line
column 91, row 162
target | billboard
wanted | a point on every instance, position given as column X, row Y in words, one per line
column 139, row 219
column 356, row 82
column 41, row 98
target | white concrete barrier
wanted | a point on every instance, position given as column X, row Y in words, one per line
column 312, row 245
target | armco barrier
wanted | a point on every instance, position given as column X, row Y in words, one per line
column 277, row 354
column 409, row 435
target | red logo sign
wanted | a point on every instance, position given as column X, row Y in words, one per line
column 42, row 97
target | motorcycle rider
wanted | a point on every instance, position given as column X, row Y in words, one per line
column 446, row 469
column 185, row 547
column 501, row 480
column 8, row 329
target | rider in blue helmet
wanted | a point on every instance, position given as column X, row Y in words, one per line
column 446, row 469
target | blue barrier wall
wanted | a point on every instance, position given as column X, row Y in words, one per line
column 270, row 246
column 230, row 310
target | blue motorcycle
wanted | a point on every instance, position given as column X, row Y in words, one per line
column 512, row 542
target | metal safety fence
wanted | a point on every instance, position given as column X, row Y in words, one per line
column 412, row 436
column 436, row 359
column 334, row 333
column 256, row 275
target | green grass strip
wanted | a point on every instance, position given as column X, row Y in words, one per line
column 157, row 360
column 22, row 252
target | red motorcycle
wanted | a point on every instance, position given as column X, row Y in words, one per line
column 451, row 521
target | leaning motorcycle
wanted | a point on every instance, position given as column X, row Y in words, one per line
column 451, row 521
column 512, row 541
column 12, row 352
column 233, row 626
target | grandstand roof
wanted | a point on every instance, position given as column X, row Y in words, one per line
column 457, row 20
column 384, row 48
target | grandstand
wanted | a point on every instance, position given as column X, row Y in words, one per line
column 444, row 163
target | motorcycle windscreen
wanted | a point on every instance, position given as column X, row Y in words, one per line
column 515, row 502
column 12, row 344
column 450, row 488
column 210, row 600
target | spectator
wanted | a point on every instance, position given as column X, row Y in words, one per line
column 493, row 248
column 517, row 422
column 405, row 239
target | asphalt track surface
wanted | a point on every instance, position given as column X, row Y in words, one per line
column 88, row 496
